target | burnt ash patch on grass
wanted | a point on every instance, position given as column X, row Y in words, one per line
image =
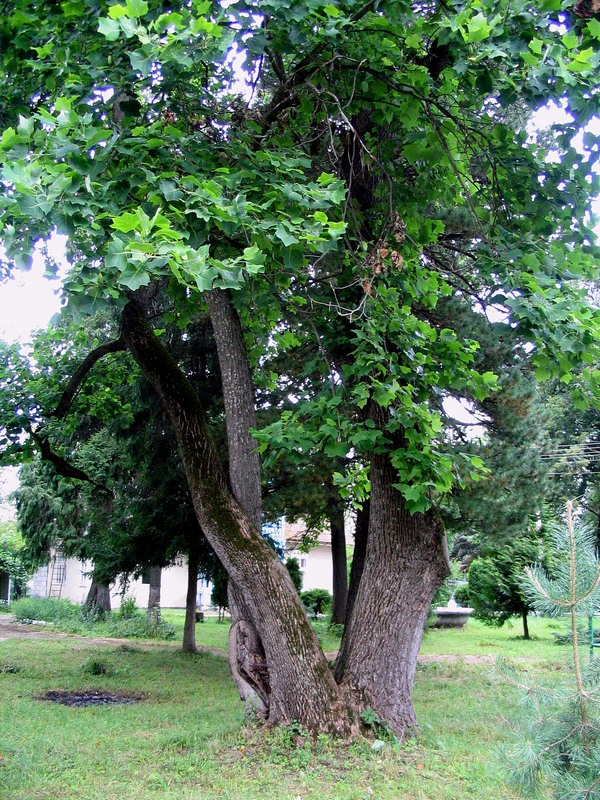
column 91, row 697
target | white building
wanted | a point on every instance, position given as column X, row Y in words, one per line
column 71, row 579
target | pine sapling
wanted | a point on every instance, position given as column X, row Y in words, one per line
column 556, row 746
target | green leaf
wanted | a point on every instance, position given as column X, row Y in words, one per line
column 478, row 28
column 593, row 28
column 126, row 222
column 141, row 62
column 285, row 236
column 117, row 11
column 110, row 28
column 134, row 276
column 336, row 449
column 136, row 8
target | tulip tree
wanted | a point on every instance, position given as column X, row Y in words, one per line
column 355, row 172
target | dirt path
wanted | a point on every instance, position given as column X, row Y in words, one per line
column 10, row 629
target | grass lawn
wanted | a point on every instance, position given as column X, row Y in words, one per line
column 188, row 737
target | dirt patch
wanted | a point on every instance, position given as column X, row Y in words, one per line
column 91, row 697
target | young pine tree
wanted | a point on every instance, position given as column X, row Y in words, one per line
column 556, row 745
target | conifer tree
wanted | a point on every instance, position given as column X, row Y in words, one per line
column 557, row 741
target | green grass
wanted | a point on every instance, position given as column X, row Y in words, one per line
column 188, row 737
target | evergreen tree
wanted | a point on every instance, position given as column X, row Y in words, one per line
column 557, row 739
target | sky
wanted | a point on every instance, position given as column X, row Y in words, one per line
column 29, row 300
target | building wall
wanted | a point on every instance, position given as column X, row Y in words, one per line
column 77, row 581
column 315, row 565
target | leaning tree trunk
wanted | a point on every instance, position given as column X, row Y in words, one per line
column 335, row 512
column 98, row 597
column 153, row 610
column 301, row 686
column 406, row 561
column 189, row 626
column 239, row 401
column 246, row 654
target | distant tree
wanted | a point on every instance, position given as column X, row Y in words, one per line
column 496, row 579
column 12, row 560
column 317, row 601
column 293, row 567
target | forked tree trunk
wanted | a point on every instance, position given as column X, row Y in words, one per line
column 301, row 685
column 339, row 561
column 153, row 610
column 406, row 561
column 239, row 401
column 189, row 626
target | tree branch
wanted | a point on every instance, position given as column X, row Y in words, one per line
column 81, row 373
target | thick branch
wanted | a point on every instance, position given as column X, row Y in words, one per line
column 81, row 373
column 60, row 464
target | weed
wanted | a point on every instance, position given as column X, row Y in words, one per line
column 377, row 726
column 129, row 609
column 94, row 666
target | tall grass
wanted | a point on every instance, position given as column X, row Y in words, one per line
column 69, row 618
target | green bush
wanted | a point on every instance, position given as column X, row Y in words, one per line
column 138, row 627
column 317, row 601
column 129, row 609
column 461, row 595
column 45, row 609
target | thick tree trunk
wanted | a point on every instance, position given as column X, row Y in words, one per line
column 525, row 625
column 189, row 626
column 406, row 561
column 98, row 597
column 361, row 532
column 301, row 685
column 153, row 609
column 339, row 562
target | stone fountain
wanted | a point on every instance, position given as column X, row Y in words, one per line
column 452, row 615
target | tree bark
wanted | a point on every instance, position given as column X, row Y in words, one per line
column 239, row 400
column 406, row 561
column 98, row 597
column 189, row 626
column 339, row 561
column 153, row 609
column 301, row 685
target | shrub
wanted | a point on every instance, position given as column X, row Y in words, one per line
column 45, row 609
column 317, row 601
column 139, row 627
column 129, row 609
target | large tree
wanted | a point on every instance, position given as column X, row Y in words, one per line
column 375, row 177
